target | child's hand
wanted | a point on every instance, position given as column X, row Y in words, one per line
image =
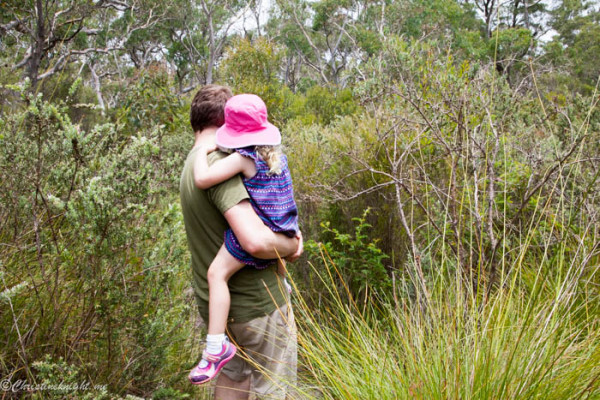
column 299, row 251
column 208, row 147
column 206, row 143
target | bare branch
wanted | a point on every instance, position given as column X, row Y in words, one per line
column 370, row 189
column 114, row 4
column 91, row 31
column 52, row 42
column 17, row 24
column 97, row 86
column 300, row 25
column 24, row 61
column 59, row 64
column 57, row 15
column 549, row 172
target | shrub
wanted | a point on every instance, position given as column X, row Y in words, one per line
column 356, row 258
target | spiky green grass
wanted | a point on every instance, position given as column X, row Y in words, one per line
column 536, row 343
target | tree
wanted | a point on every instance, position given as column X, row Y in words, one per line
column 512, row 29
column 325, row 35
column 48, row 35
column 219, row 16
column 576, row 48
column 38, row 27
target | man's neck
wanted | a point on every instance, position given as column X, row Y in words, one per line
column 207, row 134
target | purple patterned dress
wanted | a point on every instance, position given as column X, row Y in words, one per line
column 272, row 198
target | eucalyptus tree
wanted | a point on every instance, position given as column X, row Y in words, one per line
column 334, row 39
column 44, row 36
column 299, row 56
column 218, row 18
column 513, row 13
column 512, row 29
column 323, row 35
column 575, row 50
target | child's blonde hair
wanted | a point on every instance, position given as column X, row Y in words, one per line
column 272, row 156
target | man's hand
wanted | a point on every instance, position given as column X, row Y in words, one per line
column 299, row 250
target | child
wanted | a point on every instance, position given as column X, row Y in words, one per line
column 254, row 143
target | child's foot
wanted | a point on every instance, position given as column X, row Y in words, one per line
column 211, row 364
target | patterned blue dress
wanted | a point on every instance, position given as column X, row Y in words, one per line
column 272, row 198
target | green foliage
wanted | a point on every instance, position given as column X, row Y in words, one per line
column 474, row 149
column 252, row 67
column 150, row 104
column 252, row 63
column 169, row 394
column 326, row 105
column 358, row 258
column 509, row 45
column 64, row 381
column 369, row 41
column 574, row 51
column 586, row 50
column 420, row 157
column 90, row 211
column 436, row 17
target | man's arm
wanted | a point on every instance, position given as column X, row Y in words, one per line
column 255, row 237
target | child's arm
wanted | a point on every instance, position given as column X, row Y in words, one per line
column 206, row 176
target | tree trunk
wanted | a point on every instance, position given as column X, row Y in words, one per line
column 37, row 48
column 97, row 88
column 209, row 67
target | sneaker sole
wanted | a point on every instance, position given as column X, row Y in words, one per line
column 218, row 369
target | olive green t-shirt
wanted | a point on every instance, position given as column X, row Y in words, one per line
column 254, row 292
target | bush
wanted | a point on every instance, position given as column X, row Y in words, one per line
column 94, row 269
column 356, row 258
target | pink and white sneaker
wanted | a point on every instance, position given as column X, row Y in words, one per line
column 211, row 364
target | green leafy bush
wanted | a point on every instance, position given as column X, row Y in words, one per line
column 357, row 257
column 98, row 241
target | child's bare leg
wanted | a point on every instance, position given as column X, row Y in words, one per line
column 221, row 269
column 218, row 350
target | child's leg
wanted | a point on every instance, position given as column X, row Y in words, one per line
column 221, row 269
column 218, row 350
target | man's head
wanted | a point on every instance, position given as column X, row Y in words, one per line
column 208, row 107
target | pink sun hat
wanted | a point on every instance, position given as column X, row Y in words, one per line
column 246, row 124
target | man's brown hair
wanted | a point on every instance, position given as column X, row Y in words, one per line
column 208, row 107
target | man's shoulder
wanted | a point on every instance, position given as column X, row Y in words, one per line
column 216, row 156
column 228, row 193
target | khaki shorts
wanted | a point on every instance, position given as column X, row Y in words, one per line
column 267, row 352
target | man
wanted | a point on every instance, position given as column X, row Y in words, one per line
column 261, row 321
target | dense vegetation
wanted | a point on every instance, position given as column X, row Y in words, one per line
column 445, row 160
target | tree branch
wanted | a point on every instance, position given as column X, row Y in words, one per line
column 59, row 64
column 311, row 44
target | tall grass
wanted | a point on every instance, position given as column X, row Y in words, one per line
column 537, row 340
